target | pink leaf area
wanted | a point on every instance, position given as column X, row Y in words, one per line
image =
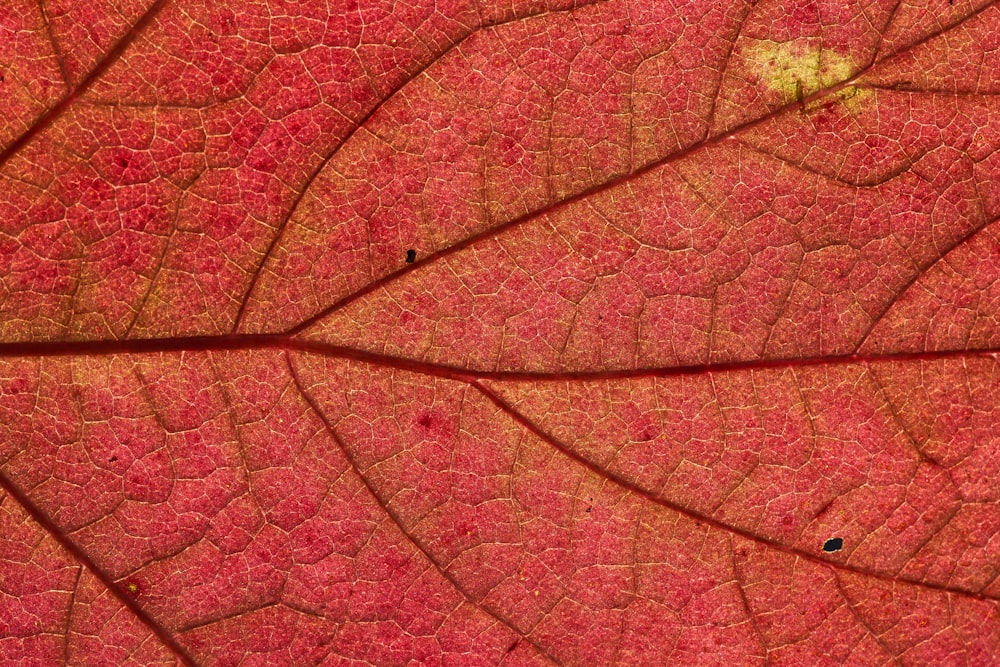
column 469, row 333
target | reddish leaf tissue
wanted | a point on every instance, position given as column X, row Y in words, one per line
column 543, row 332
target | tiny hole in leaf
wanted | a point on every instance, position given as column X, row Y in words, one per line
column 132, row 588
column 833, row 544
column 411, row 256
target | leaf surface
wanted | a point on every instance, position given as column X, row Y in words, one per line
column 543, row 333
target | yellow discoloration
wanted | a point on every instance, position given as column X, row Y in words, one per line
column 800, row 68
column 797, row 68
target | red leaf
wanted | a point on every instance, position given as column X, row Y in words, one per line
column 553, row 332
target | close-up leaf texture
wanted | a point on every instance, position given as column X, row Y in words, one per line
column 468, row 333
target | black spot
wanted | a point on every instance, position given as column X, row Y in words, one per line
column 411, row 256
column 513, row 646
column 114, row 458
column 833, row 544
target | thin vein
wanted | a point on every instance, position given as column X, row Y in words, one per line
column 227, row 617
column 710, row 118
column 885, row 28
column 676, row 156
column 526, row 423
column 406, row 81
column 43, row 520
column 396, row 520
column 857, row 617
column 933, row 35
column 110, row 58
column 741, row 589
column 879, row 180
column 52, row 43
column 69, row 614
column 903, row 87
column 917, row 275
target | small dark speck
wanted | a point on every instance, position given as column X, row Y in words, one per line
column 588, row 510
column 833, row 544
column 114, row 458
column 411, row 256
column 513, row 646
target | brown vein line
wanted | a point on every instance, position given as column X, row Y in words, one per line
column 933, row 35
column 140, row 346
column 920, row 273
column 907, row 166
column 52, row 43
column 741, row 588
column 281, row 342
column 168, row 240
column 81, row 556
column 465, row 375
column 614, row 182
column 112, row 56
column 545, row 210
column 396, row 520
column 228, row 617
column 407, row 80
column 710, row 117
column 885, row 28
column 704, row 518
column 857, row 617
column 951, row 94
column 69, row 616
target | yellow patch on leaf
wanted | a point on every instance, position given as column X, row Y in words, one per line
column 802, row 67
